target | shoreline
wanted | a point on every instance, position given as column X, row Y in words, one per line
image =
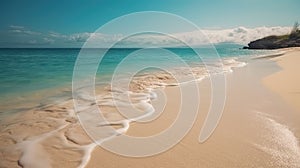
column 257, row 117
column 251, row 111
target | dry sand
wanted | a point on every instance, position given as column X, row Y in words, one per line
column 259, row 127
column 286, row 82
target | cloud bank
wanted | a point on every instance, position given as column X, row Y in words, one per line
column 19, row 36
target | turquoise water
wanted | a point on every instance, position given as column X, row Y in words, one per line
column 47, row 73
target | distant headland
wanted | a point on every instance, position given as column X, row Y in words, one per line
column 275, row 42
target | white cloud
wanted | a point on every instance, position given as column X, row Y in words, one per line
column 56, row 35
column 22, row 30
column 31, row 32
column 240, row 35
column 15, row 31
column 48, row 40
column 16, row 27
column 80, row 37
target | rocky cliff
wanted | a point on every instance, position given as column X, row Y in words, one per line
column 275, row 42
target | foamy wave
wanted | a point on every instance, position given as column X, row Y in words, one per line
column 125, row 106
column 33, row 154
column 280, row 143
column 180, row 75
column 230, row 64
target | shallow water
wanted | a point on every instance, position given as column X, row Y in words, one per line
column 35, row 77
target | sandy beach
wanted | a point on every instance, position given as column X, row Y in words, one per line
column 286, row 82
column 260, row 127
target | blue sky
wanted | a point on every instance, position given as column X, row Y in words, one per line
column 78, row 16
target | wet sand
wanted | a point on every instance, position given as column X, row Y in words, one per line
column 260, row 127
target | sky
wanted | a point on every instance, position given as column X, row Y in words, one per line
column 64, row 23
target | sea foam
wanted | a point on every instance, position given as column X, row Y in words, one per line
column 279, row 142
column 134, row 104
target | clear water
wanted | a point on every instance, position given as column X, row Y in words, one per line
column 40, row 75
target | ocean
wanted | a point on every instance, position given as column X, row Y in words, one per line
column 35, row 77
